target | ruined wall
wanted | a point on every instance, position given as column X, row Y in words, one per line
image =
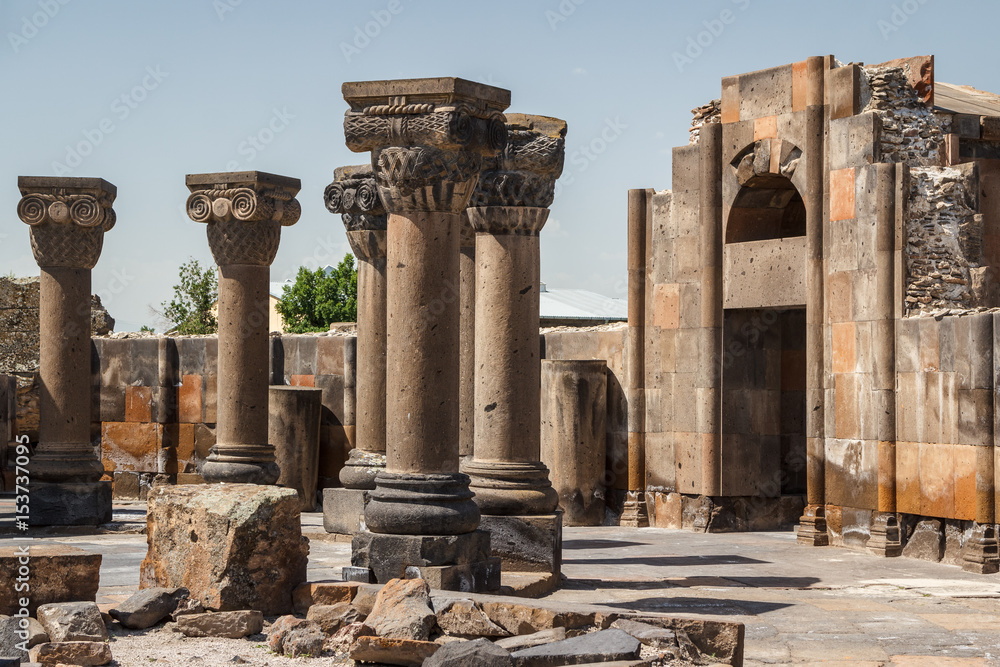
column 911, row 133
column 8, row 430
column 706, row 113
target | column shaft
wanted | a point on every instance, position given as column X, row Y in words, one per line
column 371, row 360
column 467, row 343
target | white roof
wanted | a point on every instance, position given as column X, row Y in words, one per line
column 578, row 304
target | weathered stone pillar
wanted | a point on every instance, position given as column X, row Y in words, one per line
column 354, row 195
column 467, row 340
column 68, row 218
column 428, row 138
column 245, row 212
column 293, row 428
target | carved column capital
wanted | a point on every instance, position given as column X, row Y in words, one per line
column 68, row 218
column 354, row 195
column 245, row 211
column 525, row 172
column 427, row 137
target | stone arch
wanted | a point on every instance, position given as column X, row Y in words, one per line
column 768, row 202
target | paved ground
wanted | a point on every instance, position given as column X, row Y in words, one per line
column 800, row 605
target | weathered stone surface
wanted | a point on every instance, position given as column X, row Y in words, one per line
column 71, row 653
column 343, row 510
column 308, row 594
column 72, row 622
column 364, row 601
column 148, row 607
column 343, row 639
column 187, row 606
column 388, row 556
column 58, row 574
column 70, row 504
column 403, row 610
column 481, row 652
column 232, row 624
column 466, row 619
column 650, row 635
column 296, row 637
column 332, row 617
column 12, row 634
column 603, row 646
column 233, row 546
column 406, row 652
column 279, row 629
column 927, row 541
column 526, row 543
column 519, row 642
column 520, row 619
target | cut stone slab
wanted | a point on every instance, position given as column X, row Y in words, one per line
column 72, row 622
column 12, row 634
column 603, row 646
column 306, row 595
column 71, row 653
column 280, row 629
column 650, row 635
column 388, row 556
column 231, row 624
column 403, row 611
column 344, row 510
column 465, row 619
column 529, row 584
column 405, row 652
column 332, row 617
column 148, row 607
column 526, row 543
column 480, row 652
column 519, row 619
column 344, row 639
column 301, row 638
column 70, row 504
column 58, row 574
column 233, row 546
column 534, row 639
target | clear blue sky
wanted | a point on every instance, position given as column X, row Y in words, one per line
column 155, row 90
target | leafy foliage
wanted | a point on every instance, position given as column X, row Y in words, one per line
column 190, row 311
column 317, row 299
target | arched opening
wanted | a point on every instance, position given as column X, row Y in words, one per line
column 767, row 207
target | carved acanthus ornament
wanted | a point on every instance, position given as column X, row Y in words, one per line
column 354, row 195
column 68, row 218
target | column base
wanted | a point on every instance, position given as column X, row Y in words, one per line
column 241, row 464
column 69, row 504
column 636, row 513
column 361, row 468
column 526, row 543
column 421, row 504
column 344, row 510
column 511, row 488
column 812, row 527
column 982, row 552
column 886, row 538
column 446, row 562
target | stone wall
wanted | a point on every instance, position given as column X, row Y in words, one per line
column 706, row 113
column 8, row 430
column 911, row 133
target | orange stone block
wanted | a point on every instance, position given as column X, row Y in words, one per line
column 189, row 399
column 965, row 481
column 937, row 480
column 211, row 398
column 840, row 296
column 131, row 445
column 303, row 381
column 799, row 84
column 908, row 477
column 844, row 347
column 846, row 400
column 667, row 306
column 842, row 194
column 765, row 128
column 138, row 401
column 730, row 106
column 185, row 443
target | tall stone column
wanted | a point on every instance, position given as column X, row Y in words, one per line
column 427, row 138
column 245, row 212
column 68, row 218
column 467, row 340
column 511, row 483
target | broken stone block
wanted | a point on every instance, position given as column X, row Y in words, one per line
column 519, row 619
column 405, row 652
column 231, row 624
column 534, row 639
column 526, row 543
column 927, row 541
column 403, row 611
column 72, row 653
column 233, row 546
column 332, row 617
column 279, row 629
column 364, row 601
column 650, row 635
column 603, row 646
column 187, row 606
column 58, row 574
column 12, row 634
column 480, row 652
column 306, row 595
column 148, row 607
column 464, row 618
column 296, row 637
column 72, row 622
column 343, row 639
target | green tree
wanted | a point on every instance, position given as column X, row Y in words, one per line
column 316, row 299
column 190, row 311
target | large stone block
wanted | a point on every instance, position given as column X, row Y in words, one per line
column 526, row 543
column 449, row 562
column 70, row 504
column 233, row 546
column 57, row 574
column 344, row 510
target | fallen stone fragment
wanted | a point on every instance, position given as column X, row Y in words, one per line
column 58, row 574
column 603, row 646
column 10, row 636
column 148, row 607
column 344, row 638
column 519, row 619
column 687, row 648
column 650, row 635
column 72, row 622
column 480, row 652
column 188, row 606
column 72, row 653
column 403, row 611
column 308, row 594
column 279, row 629
column 535, row 639
column 404, row 652
column 364, row 600
column 331, row 617
column 306, row 640
column 231, row 624
column 464, row 618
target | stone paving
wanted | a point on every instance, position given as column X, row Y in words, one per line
column 823, row 605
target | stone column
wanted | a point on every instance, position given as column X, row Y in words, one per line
column 467, row 340
column 68, row 218
column 427, row 138
column 293, row 429
column 354, row 195
column 245, row 212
